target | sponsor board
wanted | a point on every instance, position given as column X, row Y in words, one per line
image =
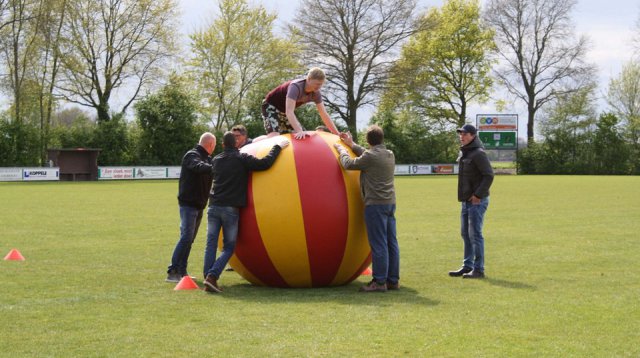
column 173, row 172
column 419, row 169
column 426, row 169
column 402, row 170
column 10, row 174
column 497, row 122
column 33, row 174
column 150, row 173
column 445, row 169
column 499, row 140
column 115, row 173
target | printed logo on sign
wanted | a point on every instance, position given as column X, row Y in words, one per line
column 497, row 122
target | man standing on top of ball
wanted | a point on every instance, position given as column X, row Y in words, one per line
column 279, row 105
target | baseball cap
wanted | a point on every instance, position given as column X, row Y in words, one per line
column 467, row 128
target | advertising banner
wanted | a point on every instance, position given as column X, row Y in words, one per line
column 33, row 174
column 10, row 174
column 445, row 168
column 402, row 169
column 115, row 173
column 150, row 173
column 173, row 172
column 497, row 122
column 419, row 169
column 499, row 140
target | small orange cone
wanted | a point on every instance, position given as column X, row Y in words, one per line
column 14, row 255
column 186, row 283
column 366, row 271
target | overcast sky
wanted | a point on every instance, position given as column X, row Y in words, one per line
column 609, row 24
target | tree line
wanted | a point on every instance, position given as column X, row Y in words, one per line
column 113, row 74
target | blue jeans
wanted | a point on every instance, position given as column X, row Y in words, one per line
column 189, row 223
column 225, row 218
column 385, row 253
column 471, row 221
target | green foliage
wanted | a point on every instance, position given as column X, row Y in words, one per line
column 111, row 137
column 233, row 56
column 446, row 66
column 413, row 142
column 568, row 150
column 80, row 134
column 167, row 123
column 96, row 253
column 19, row 144
column 611, row 152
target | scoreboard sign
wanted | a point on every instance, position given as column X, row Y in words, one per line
column 498, row 140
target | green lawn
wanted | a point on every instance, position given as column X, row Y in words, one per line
column 562, row 280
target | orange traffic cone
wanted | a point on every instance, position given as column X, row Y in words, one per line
column 366, row 271
column 186, row 283
column 14, row 255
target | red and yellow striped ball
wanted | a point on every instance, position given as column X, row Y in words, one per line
column 303, row 225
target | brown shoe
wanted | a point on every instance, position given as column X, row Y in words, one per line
column 211, row 285
column 373, row 286
column 393, row 286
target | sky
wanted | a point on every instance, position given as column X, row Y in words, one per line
column 609, row 25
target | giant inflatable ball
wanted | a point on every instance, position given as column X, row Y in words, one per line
column 303, row 225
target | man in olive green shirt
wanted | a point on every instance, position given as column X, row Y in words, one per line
column 377, row 166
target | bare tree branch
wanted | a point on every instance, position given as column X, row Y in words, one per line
column 354, row 41
column 541, row 58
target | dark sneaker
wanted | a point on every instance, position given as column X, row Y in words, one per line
column 211, row 284
column 373, row 286
column 393, row 286
column 460, row 272
column 173, row 277
column 474, row 274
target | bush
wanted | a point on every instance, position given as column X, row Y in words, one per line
column 19, row 144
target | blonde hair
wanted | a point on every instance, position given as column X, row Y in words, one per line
column 316, row 73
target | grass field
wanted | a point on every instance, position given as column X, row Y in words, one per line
column 562, row 280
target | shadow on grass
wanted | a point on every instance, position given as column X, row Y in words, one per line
column 510, row 284
column 347, row 294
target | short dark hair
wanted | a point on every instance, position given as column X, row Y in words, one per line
column 229, row 140
column 375, row 135
column 239, row 128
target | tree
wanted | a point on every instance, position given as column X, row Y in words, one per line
column 354, row 41
column 236, row 53
column 110, row 45
column 167, row 122
column 610, row 148
column 445, row 67
column 18, row 49
column 623, row 96
column 45, row 71
column 541, row 57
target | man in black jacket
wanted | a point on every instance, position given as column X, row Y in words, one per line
column 231, row 170
column 196, row 174
column 475, row 176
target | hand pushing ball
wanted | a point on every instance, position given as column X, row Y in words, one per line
column 303, row 225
